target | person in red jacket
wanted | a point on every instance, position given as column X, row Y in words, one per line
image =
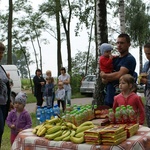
column 129, row 97
column 105, row 61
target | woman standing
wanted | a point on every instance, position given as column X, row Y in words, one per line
column 39, row 83
column 4, row 94
column 65, row 79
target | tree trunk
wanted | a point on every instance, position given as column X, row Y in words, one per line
column 59, row 56
column 122, row 16
column 140, row 58
column 102, row 37
column 9, row 56
column 66, row 25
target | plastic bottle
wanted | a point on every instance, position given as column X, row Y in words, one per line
column 55, row 111
column 118, row 115
column 38, row 114
column 51, row 113
column 124, row 115
column 42, row 117
column 111, row 116
column 47, row 114
column 58, row 110
column 132, row 115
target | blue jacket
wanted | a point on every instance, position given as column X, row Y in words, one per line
column 145, row 70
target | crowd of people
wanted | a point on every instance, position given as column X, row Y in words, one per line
column 115, row 71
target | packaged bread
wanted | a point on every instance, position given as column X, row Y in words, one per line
column 94, row 131
column 131, row 129
column 110, row 136
column 115, row 129
column 114, row 142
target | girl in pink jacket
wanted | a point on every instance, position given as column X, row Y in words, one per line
column 128, row 97
column 18, row 119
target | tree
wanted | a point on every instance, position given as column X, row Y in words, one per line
column 79, row 63
column 138, row 30
column 122, row 16
column 9, row 57
column 102, row 37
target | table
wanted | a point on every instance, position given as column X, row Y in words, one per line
column 26, row 140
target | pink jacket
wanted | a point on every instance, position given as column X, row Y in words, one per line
column 134, row 100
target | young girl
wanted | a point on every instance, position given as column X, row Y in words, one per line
column 18, row 119
column 48, row 91
column 128, row 97
column 49, row 74
column 60, row 95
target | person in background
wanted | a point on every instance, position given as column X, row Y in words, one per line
column 10, row 80
column 49, row 74
column 48, row 91
column 145, row 79
column 4, row 94
column 128, row 97
column 39, row 83
column 124, row 64
column 65, row 79
column 60, row 95
column 18, row 119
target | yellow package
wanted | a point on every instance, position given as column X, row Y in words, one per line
column 113, row 129
column 114, row 142
column 110, row 136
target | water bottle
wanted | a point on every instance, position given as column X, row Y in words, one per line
column 55, row 111
column 47, row 114
column 38, row 114
column 51, row 113
column 111, row 116
column 42, row 117
column 58, row 110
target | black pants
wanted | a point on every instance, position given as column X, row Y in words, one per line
column 63, row 104
column 3, row 115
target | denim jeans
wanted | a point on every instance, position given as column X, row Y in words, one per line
column 110, row 93
column 49, row 101
column 68, row 97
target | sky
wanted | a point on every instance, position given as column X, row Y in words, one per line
column 49, row 51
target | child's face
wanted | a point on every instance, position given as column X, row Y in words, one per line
column 48, row 74
column 147, row 53
column 124, row 86
column 107, row 53
column 60, row 86
column 19, row 106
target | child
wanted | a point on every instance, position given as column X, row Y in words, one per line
column 48, row 91
column 105, row 61
column 145, row 79
column 60, row 95
column 18, row 119
column 49, row 74
column 128, row 97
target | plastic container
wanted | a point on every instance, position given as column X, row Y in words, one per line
column 38, row 114
column 124, row 115
column 132, row 115
column 111, row 116
column 42, row 117
column 118, row 115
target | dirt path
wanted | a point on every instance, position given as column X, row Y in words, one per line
column 79, row 101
